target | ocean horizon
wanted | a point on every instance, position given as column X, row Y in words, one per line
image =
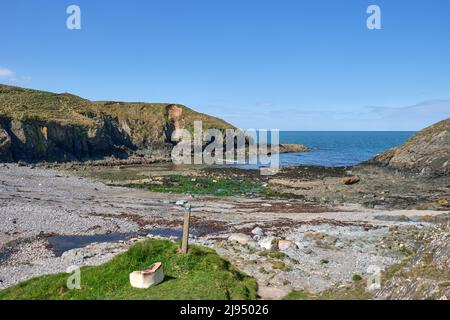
column 338, row 148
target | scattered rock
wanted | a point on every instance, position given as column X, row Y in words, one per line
column 258, row 232
column 268, row 243
column 285, row 245
column 272, row 293
column 21, row 164
column 427, row 152
column 181, row 202
column 239, row 238
column 351, row 180
column 444, row 203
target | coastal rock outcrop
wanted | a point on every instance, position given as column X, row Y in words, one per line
column 293, row 148
column 38, row 126
column 34, row 140
column 5, row 144
column 425, row 275
column 427, row 152
column 42, row 126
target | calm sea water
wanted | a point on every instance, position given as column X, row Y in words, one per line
column 339, row 148
column 333, row 148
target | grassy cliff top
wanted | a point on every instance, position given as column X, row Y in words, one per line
column 28, row 104
column 432, row 130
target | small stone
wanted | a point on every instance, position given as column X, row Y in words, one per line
column 307, row 251
column 258, row 231
column 339, row 244
column 444, row 203
column 239, row 238
column 351, row 180
column 268, row 243
column 285, row 245
column 181, row 202
column 253, row 244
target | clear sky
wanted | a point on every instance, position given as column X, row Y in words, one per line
column 286, row 64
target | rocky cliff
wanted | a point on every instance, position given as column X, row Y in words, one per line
column 426, row 274
column 427, row 152
column 43, row 126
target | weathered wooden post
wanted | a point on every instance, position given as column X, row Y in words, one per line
column 185, row 239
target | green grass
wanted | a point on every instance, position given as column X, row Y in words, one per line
column 112, row 176
column 298, row 295
column 275, row 254
column 357, row 291
column 280, row 265
column 356, row 277
column 201, row 274
column 146, row 121
column 204, row 186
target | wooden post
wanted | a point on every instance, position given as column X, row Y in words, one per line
column 185, row 239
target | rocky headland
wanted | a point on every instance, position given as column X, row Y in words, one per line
column 427, row 152
column 37, row 126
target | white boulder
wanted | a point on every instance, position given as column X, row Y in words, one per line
column 181, row 202
column 284, row 245
column 239, row 238
column 258, row 231
column 268, row 243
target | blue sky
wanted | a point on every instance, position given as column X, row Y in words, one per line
column 289, row 64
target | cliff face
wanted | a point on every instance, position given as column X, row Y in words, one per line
column 34, row 140
column 426, row 274
column 427, row 152
column 38, row 126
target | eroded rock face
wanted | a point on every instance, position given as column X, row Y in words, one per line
column 5, row 144
column 427, row 274
column 174, row 113
column 427, row 152
column 39, row 140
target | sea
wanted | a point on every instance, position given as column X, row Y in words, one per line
column 338, row 148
